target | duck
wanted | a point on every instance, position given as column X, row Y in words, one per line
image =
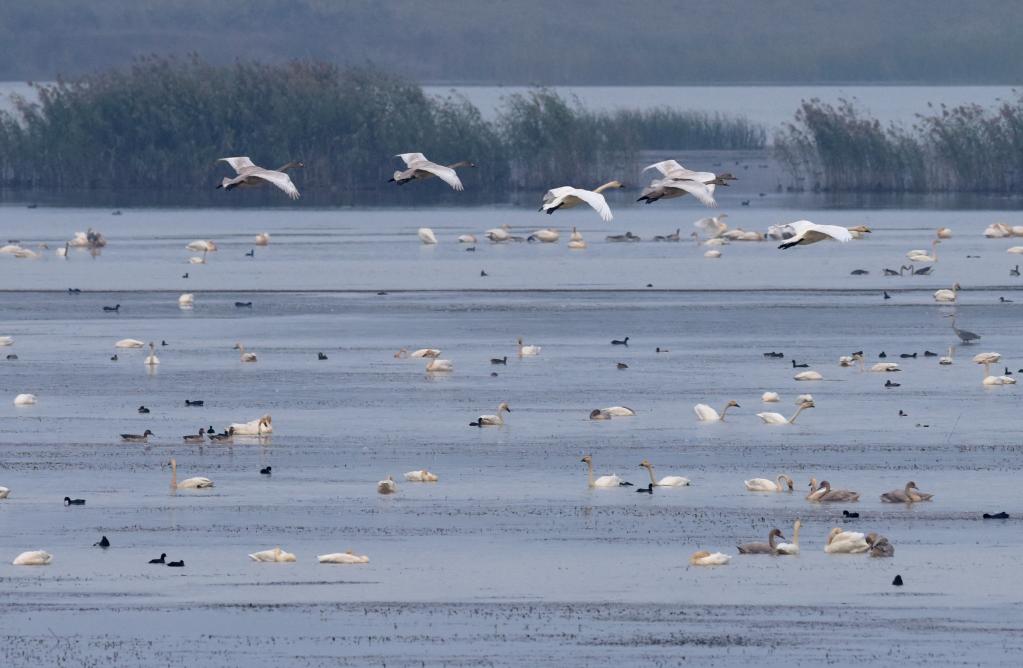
column 262, row 239
column 996, row 516
column 850, row 516
column 808, row 375
column 828, row 495
column 387, row 486
column 276, row 555
column 528, row 351
column 763, row 548
column 249, row 175
column 68, row 501
column 440, row 365
column 103, row 542
column 195, row 438
column 259, row 427
column 567, row 197
column 176, row 564
column 427, row 236
column 33, row 558
column 879, row 545
column 705, row 413
column 603, row 481
column 242, row 355
column 112, row 309
column 909, row 494
column 188, row 483
column 266, row 470
column 793, row 547
column 422, row 475
column 620, row 342
column 25, row 400
column 621, row 365
column 705, row 558
column 667, row 481
column 492, row 420
column 137, row 438
column 944, row 295
column 143, row 410
column 162, row 559
column 194, row 403
column 770, row 397
column 799, row 366
column 346, row 557
column 649, row 489
column 129, row 343
column 321, row 357
column 784, row 484
column 418, row 168
column 845, row 542
column 151, row 358
column 778, row 418
column 499, row 360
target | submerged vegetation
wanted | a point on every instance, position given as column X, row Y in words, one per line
column 163, row 123
column 960, row 149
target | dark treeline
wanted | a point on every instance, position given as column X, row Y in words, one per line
column 567, row 42
column 162, row 123
column 959, row 149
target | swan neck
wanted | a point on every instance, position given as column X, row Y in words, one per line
column 174, row 475
column 792, row 420
column 650, row 470
column 795, row 533
column 589, row 466
column 600, row 189
column 723, row 411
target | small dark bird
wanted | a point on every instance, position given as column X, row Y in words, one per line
column 470, row 249
column 890, row 272
column 12, row 357
column 928, row 353
column 858, row 272
column 897, row 581
column 483, row 273
column 176, row 564
column 903, row 414
column 185, row 275
column 197, row 403
column 774, row 355
column 103, row 542
column 799, row 366
column 650, row 285
column 74, row 291
column 211, row 430
column 623, row 365
column 116, row 212
column 112, row 308
column 662, row 350
column 1014, row 271
column 493, row 374
column 137, row 438
column 68, row 501
column 745, row 202
column 649, row 489
column 1007, row 372
column 882, row 355
column 889, row 383
column 907, row 356
column 251, row 253
column 886, row 295
column 163, row 343
column 243, row 304
column 925, row 271
column 161, row 560
column 996, row 516
column 381, row 294
column 1004, row 300
column 114, row 358
column 499, row 360
column 620, row 342
column 143, row 410
column 321, row 356
column 852, row 516
column 265, row 471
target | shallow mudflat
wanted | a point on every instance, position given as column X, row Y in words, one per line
column 509, row 559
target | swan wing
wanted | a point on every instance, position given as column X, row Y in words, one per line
column 595, row 200
column 813, row 232
column 673, row 481
column 702, row 192
column 445, row 174
column 759, row 485
column 607, row 481
column 279, row 179
column 409, row 158
column 239, row 163
column 772, row 418
column 554, row 194
column 666, row 167
column 706, row 413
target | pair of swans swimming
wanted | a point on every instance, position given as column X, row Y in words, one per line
column 279, row 556
column 614, row 480
column 705, row 413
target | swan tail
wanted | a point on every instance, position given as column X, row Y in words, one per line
column 789, row 244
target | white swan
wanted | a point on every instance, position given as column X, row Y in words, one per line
column 784, row 484
column 885, row 367
column 198, row 260
column 129, row 343
column 666, row 481
column 467, row 239
column 714, row 226
column 262, row 239
column 793, row 547
column 198, row 482
column 6, row 341
column 947, row 359
column 987, row 359
column 242, row 355
column 276, row 555
column 347, row 557
column 944, row 295
column 498, row 234
column 603, row 481
column 24, row 400
column 250, row 176
column 10, row 249
column 769, row 397
column 201, row 245
column 528, row 351
column 420, row 169
column 4, row 492
column 918, row 255
column 440, row 365
column 425, row 352
column 387, row 486
column 997, row 231
column 186, row 300
column 704, row 558
column 567, row 197
column 1015, row 250
column 670, row 187
column 62, row 251
column 712, row 254
column 26, row 253
column 705, row 413
column 806, row 232
column 803, row 397
column 427, row 236
column 778, row 418
column 944, row 233
column 845, row 542
column 808, row 375
column 33, row 558
column 151, row 358
column 548, row 235
column 258, row 427
column 422, row 475
column 492, row 420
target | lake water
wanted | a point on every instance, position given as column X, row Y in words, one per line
column 509, row 559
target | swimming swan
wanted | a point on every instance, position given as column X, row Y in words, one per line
column 129, row 343
column 808, row 375
column 603, row 481
column 547, row 235
column 567, row 197
column 879, row 546
column 918, row 255
column 188, row 483
column 944, row 295
column 250, row 176
column 667, row 481
column 793, row 547
column 33, row 558
column 784, row 484
column 186, row 300
column 770, row 397
column 427, row 236
column 262, row 239
column 828, row 495
column 778, row 418
column 762, row 548
column 387, row 486
column 440, row 365
column 242, row 355
column 705, row 413
column 276, row 555
column 258, row 427
column 4, row 492
column 492, row 420
column 704, row 558
column 24, row 400
column 528, row 351
column 845, row 542
column 619, row 411
column 151, row 358
column 576, row 240
column 421, row 475
column 346, row 557
column 910, row 494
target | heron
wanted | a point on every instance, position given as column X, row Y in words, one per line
column 964, row 335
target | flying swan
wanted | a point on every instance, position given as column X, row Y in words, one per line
column 251, row 176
